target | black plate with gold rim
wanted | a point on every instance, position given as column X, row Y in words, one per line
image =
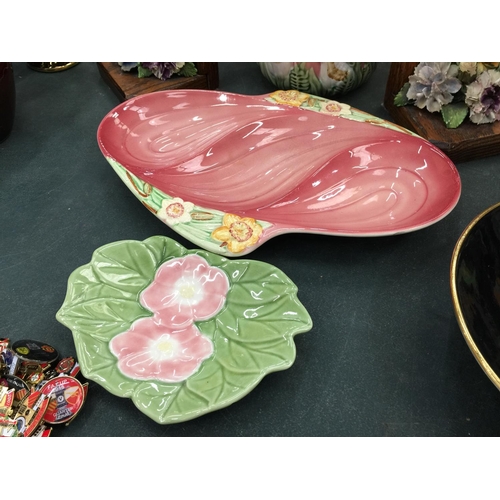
column 475, row 289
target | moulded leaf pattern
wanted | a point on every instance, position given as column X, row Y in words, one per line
column 103, row 317
column 252, row 335
column 103, row 365
column 86, row 285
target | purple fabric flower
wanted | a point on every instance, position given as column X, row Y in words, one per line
column 483, row 97
column 162, row 70
column 433, row 84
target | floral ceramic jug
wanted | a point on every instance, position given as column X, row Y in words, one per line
column 325, row 79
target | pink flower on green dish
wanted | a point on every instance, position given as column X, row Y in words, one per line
column 151, row 350
column 433, row 85
column 483, row 97
column 184, row 290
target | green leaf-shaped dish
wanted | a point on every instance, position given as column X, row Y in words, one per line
column 249, row 334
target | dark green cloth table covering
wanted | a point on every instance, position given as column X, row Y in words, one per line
column 385, row 356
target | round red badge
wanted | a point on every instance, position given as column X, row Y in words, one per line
column 66, row 399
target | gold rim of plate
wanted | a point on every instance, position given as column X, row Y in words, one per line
column 456, row 305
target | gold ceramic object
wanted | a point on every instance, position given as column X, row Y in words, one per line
column 51, row 67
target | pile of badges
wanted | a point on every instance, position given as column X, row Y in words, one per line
column 38, row 389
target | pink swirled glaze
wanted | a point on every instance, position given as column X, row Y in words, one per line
column 301, row 171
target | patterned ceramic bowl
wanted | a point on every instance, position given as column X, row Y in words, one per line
column 326, row 79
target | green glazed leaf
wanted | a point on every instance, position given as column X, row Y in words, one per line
column 189, row 69
column 143, row 72
column 128, row 266
column 252, row 334
column 400, row 99
column 454, row 114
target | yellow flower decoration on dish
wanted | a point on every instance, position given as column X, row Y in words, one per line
column 291, row 97
column 237, row 233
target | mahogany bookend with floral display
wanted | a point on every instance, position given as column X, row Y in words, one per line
column 126, row 83
column 456, row 98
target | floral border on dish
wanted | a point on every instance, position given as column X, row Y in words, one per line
column 330, row 107
column 215, row 231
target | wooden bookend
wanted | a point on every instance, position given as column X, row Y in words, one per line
column 468, row 141
column 127, row 84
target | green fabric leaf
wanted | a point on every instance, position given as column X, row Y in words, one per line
column 400, row 99
column 454, row 114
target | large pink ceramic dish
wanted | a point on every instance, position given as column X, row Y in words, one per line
column 230, row 171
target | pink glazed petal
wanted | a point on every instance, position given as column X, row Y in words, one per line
column 152, row 351
column 184, row 290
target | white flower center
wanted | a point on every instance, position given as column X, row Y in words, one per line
column 163, row 348
column 189, row 291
